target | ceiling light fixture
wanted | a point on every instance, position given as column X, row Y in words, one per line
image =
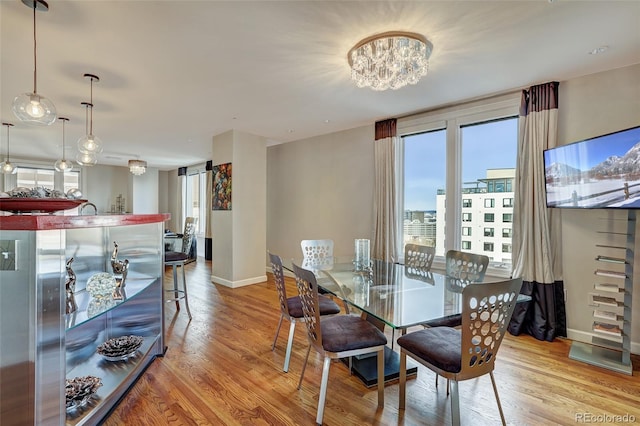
column 90, row 144
column 137, row 167
column 86, row 158
column 390, row 60
column 6, row 166
column 30, row 107
column 63, row 165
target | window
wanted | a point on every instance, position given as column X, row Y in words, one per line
column 488, row 246
column 488, row 217
column 506, row 232
column 466, row 231
column 195, row 198
column 506, row 248
column 507, row 217
column 423, row 186
column 471, row 152
column 466, row 245
column 31, row 177
column 488, row 232
column 507, row 202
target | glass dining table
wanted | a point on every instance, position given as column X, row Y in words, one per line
column 390, row 295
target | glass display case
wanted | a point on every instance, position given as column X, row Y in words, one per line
column 52, row 338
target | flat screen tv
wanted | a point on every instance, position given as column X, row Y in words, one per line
column 598, row 173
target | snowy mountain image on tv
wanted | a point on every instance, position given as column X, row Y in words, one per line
column 603, row 172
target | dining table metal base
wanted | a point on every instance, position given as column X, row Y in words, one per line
column 366, row 369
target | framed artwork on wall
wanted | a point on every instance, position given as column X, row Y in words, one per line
column 221, row 198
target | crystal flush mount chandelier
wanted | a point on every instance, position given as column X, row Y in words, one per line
column 390, row 60
column 137, row 167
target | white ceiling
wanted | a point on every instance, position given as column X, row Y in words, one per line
column 175, row 73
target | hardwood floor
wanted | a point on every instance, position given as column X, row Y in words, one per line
column 219, row 370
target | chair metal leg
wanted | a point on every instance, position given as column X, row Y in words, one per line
column 495, row 390
column 287, row 357
column 323, row 389
column 381, row 377
column 455, row 404
column 304, row 366
column 275, row 339
column 403, row 379
column 184, row 290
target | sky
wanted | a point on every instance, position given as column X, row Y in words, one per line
column 485, row 146
column 586, row 154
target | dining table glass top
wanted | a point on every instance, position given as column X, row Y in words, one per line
column 399, row 296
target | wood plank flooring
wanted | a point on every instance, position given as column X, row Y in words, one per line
column 219, row 370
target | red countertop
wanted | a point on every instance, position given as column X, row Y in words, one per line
column 37, row 222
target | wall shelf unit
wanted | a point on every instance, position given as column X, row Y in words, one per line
column 611, row 303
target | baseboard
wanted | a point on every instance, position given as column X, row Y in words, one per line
column 585, row 337
column 240, row 283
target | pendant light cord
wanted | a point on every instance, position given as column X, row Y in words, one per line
column 35, row 57
column 91, row 96
column 8, row 158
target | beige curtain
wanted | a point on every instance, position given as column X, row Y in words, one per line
column 385, row 236
column 537, row 235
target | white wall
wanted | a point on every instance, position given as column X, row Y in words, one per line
column 102, row 184
column 320, row 188
column 590, row 106
column 144, row 193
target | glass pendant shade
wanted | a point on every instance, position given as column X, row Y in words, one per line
column 86, row 159
column 90, row 144
column 63, row 165
column 32, row 108
column 6, row 167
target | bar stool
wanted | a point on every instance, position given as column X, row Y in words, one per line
column 177, row 259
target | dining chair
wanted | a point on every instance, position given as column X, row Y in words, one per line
column 467, row 353
column 462, row 269
column 336, row 337
column 291, row 307
column 317, row 254
column 417, row 256
column 177, row 259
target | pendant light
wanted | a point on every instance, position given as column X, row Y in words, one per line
column 86, row 158
column 63, row 165
column 33, row 108
column 6, row 166
column 90, row 144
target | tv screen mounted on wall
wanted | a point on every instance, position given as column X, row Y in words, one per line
column 598, row 173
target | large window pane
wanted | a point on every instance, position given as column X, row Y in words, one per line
column 424, row 167
column 488, row 171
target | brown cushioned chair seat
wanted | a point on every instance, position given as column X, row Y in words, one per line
column 327, row 306
column 175, row 256
column 440, row 346
column 448, row 321
column 349, row 332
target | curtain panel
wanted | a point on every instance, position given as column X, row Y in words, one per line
column 537, row 234
column 384, row 245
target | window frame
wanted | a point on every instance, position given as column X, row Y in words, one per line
column 452, row 119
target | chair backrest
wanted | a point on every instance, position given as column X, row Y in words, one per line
column 278, row 278
column 188, row 234
column 417, row 256
column 308, row 291
column 317, row 253
column 486, row 312
column 466, row 267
